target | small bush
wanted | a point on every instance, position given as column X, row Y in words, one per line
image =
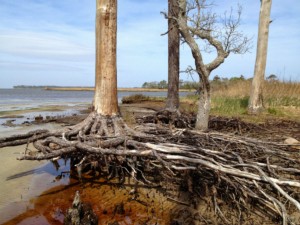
column 137, row 98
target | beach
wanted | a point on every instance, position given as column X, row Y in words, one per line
column 22, row 180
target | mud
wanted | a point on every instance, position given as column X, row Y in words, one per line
column 111, row 203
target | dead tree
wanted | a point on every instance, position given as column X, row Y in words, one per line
column 197, row 23
column 173, row 58
column 105, row 99
column 170, row 114
column 256, row 96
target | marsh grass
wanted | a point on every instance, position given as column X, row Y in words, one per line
column 230, row 98
column 229, row 105
column 281, row 99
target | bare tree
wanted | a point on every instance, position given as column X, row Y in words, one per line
column 173, row 57
column 197, row 24
column 256, row 95
column 105, row 99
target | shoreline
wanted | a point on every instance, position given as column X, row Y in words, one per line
column 119, row 89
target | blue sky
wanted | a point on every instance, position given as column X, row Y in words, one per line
column 52, row 42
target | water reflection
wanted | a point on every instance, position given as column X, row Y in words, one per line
column 113, row 203
column 54, row 168
column 37, row 180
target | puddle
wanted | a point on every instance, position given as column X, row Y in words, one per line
column 150, row 207
column 21, row 186
column 23, row 180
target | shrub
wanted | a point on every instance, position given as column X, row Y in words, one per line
column 137, row 98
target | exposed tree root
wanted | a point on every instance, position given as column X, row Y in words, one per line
column 170, row 117
column 251, row 175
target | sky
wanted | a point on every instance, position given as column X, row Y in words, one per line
column 53, row 42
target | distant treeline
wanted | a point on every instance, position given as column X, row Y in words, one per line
column 47, row 86
column 189, row 84
column 164, row 84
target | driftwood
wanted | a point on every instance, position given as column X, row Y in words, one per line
column 247, row 173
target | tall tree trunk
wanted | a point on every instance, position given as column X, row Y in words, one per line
column 256, row 96
column 173, row 60
column 204, row 105
column 105, row 99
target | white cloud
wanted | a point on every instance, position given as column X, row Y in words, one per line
column 42, row 39
column 43, row 46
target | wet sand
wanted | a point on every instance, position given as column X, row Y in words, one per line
column 21, row 180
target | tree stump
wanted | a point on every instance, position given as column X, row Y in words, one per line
column 80, row 213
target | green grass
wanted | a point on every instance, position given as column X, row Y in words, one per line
column 283, row 101
column 230, row 106
column 275, row 112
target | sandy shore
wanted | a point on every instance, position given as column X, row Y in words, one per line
column 21, row 180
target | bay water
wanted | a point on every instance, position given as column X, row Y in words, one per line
column 28, row 101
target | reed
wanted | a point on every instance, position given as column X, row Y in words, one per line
column 275, row 93
column 281, row 99
column 230, row 98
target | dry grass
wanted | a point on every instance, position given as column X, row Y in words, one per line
column 273, row 89
column 230, row 99
column 281, row 100
column 231, row 89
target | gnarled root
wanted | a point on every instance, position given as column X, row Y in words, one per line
column 99, row 143
column 169, row 117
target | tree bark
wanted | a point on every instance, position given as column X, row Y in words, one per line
column 204, row 106
column 256, row 95
column 173, row 60
column 194, row 25
column 105, row 99
column 201, row 68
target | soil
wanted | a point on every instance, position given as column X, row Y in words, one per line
column 168, row 204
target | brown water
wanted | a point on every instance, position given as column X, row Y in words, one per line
column 18, row 190
column 150, row 207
